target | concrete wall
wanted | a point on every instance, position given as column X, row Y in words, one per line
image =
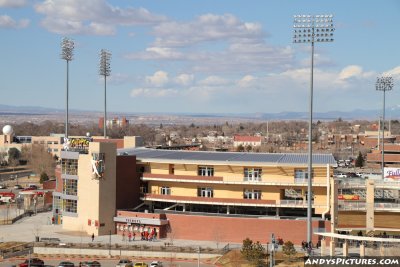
column 133, row 141
column 120, row 252
column 96, row 198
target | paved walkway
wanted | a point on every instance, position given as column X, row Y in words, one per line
column 27, row 228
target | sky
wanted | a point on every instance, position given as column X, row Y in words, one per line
column 190, row 56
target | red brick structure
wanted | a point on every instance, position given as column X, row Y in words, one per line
column 222, row 228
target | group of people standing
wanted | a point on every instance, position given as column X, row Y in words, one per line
column 144, row 235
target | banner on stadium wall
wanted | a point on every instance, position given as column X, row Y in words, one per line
column 392, row 174
column 348, row 197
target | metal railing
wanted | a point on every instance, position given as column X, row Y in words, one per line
column 347, row 205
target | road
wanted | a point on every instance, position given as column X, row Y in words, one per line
column 112, row 263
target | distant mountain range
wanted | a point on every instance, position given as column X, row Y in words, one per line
column 357, row 114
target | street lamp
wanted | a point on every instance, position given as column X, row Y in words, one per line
column 384, row 84
column 311, row 29
column 105, row 70
column 67, row 53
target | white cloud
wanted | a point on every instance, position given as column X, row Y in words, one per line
column 213, row 81
column 157, row 53
column 95, row 17
column 8, row 22
column 184, row 79
column 247, row 81
column 13, row 3
column 148, row 92
column 395, row 72
column 158, row 79
column 208, row 27
column 350, row 71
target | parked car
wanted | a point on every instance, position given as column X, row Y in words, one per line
column 124, row 263
column 17, row 186
column 32, row 262
column 341, row 175
column 33, row 186
column 3, row 186
column 141, row 264
column 156, row 264
column 90, row 264
column 66, row 264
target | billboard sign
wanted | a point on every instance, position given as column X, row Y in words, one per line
column 392, row 174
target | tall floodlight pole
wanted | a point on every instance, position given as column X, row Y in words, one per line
column 311, row 29
column 384, row 84
column 105, row 70
column 67, row 53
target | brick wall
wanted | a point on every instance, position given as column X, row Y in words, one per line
column 228, row 229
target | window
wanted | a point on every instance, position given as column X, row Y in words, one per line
column 171, row 169
column 301, row 174
column 205, row 192
column 252, row 174
column 251, row 194
column 165, row 190
column 206, row 171
column 69, row 166
column 70, row 187
column 69, row 205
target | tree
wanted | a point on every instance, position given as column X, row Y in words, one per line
column 240, row 148
column 13, row 154
column 288, row 249
column 40, row 160
column 3, row 156
column 360, row 160
column 43, row 177
column 249, row 148
column 253, row 252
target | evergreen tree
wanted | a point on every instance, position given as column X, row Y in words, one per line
column 359, row 160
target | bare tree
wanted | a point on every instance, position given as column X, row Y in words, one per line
column 40, row 160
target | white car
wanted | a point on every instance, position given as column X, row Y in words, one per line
column 124, row 263
column 156, row 264
column 341, row 175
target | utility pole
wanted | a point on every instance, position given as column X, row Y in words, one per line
column 272, row 256
column 109, row 249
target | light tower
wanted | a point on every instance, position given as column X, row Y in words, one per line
column 105, row 70
column 312, row 29
column 383, row 84
column 67, row 53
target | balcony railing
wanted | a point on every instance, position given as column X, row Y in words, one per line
column 209, row 200
column 152, row 176
column 229, row 201
column 357, row 205
column 220, row 180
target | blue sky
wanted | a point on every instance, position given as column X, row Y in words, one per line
column 225, row 56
